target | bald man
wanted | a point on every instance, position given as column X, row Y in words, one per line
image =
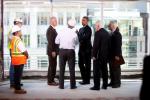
column 52, row 50
column 100, row 57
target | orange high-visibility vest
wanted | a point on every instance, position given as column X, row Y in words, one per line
column 17, row 57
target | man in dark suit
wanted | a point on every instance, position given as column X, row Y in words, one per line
column 52, row 50
column 100, row 56
column 115, row 53
column 85, row 47
column 145, row 77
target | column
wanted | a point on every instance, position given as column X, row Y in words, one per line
column 145, row 17
column 33, row 39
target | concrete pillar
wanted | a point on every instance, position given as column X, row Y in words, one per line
column 1, row 42
column 148, row 36
column 33, row 38
column 145, row 17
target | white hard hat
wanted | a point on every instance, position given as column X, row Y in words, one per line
column 71, row 22
column 15, row 28
column 18, row 20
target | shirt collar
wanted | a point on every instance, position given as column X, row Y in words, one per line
column 52, row 26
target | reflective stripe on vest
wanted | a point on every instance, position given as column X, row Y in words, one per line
column 17, row 57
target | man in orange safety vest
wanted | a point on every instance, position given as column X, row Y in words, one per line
column 19, row 56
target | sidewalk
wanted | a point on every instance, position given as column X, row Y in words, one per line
column 39, row 90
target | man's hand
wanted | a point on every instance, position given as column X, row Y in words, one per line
column 53, row 54
column 117, row 58
column 26, row 54
column 93, row 58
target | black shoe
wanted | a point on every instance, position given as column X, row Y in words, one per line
column 84, row 83
column 21, row 84
column 104, row 87
column 61, row 87
column 12, row 86
column 110, row 85
column 74, row 87
column 116, row 86
column 94, row 88
column 53, row 84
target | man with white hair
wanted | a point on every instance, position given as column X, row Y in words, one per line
column 100, row 56
column 52, row 51
column 67, row 41
column 115, row 54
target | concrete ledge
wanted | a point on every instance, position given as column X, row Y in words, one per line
column 43, row 74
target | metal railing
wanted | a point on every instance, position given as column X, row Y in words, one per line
column 40, row 63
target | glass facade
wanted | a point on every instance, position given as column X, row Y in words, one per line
column 36, row 21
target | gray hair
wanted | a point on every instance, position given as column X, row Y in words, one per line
column 113, row 22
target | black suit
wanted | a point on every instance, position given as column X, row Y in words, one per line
column 51, row 47
column 85, row 47
column 100, row 52
column 115, row 50
column 145, row 83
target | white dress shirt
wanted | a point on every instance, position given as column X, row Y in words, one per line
column 67, row 39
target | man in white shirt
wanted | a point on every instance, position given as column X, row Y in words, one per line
column 67, row 41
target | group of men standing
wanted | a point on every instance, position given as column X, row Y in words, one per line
column 106, row 48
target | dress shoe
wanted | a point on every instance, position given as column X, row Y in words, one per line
column 21, row 84
column 61, row 87
column 116, row 86
column 12, row 86
column 110, row 85
column 84, row 83
column 104, row 87
column 94, row 88
column 74, row 87
column 21, row 91
column 53, row 84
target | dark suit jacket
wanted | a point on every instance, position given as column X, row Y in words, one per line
column 116, row 44
column 84, row 36
column 101, row 44
column 51, row 35
column 144, row 95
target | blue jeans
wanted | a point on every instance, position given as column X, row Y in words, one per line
column 11, row 74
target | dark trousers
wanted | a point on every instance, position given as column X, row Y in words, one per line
column 11, row 74
column 115, row 74
column 100, row 70
column 67, row 55
column 18, row 69
column 51, row 69
column 85, row 65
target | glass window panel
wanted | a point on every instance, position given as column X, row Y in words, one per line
column 60, row 19
column 77, row 18
column 26, row 40
column 42, row 62
column 41, row 41
column 69, row 16
column 25, row 16
column 43, row 18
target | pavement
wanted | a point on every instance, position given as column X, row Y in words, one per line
column 39, row 90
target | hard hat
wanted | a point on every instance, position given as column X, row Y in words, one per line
column 15, row 28
column 71, row 22
column 18, row 20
